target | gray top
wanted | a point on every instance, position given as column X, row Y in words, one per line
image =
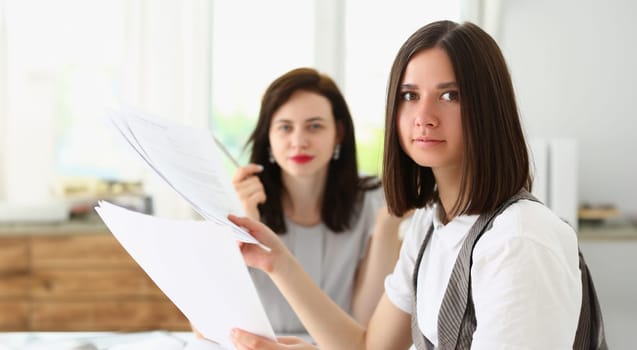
column 331, row 259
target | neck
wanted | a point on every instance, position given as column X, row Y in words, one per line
column 303, row 199
column 448, row 183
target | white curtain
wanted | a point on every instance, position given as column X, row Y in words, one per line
column 3, row 79
column 169, row 74
column 166, row 73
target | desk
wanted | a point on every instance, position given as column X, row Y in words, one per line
column 156, row 340
column 76, row 276
column 620, row 231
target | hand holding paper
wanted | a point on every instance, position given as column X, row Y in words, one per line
column 198, row 265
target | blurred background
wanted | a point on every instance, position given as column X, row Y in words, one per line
column 206, row 64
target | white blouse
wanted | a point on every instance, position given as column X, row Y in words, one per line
column 525, row 277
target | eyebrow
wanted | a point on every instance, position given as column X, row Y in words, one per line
column 310, row 119
column 439, row 86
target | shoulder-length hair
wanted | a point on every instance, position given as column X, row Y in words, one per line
column 343, row 186
column 495, row 163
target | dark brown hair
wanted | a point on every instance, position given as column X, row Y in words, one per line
column 343, row 187
column 495, row 163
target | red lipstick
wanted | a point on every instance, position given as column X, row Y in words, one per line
column 301, row 158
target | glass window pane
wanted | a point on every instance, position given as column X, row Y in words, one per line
column 66, row 57
column 373, row 37
column 253, row 43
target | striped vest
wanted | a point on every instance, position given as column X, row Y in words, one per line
column 457, row 320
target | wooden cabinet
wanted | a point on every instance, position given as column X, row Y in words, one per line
column 78, row 282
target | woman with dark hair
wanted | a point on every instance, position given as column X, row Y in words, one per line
column 483, row 265
column 303, row 183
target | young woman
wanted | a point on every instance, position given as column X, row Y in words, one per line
column 303, row 183
column 455, row 150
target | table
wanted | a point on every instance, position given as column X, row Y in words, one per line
column 155, row 340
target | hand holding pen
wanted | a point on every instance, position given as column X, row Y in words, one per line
column 249, row 188
column 247, row 185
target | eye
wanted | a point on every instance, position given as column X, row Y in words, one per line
column 284, row 127
column 450, row 96
column 316, row 126
column 409, row 96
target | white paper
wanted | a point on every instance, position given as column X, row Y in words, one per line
column 188, row 160
column 198, row 265
column 200, row 344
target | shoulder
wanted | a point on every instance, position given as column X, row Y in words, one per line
column 532, row 225
column 534, row 221
column 527, row 260
column 371, row 194
column 374, row 197
column 417, row 229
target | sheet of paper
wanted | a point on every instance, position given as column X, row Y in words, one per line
column 188, row 160
column 198, row 265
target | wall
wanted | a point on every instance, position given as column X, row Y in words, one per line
column 614, row 273
column 573, row 67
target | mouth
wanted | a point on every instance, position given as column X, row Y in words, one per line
column 301, row 158
column 427, row 141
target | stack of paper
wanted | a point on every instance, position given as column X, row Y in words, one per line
column 188, row 160
column 197, row 264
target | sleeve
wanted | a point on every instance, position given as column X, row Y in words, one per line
column 371, row 202
column 524, row 297
column 399, row 285
column 374, row 200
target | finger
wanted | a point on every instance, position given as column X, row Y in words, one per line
column 252, row 226
column 289, row 340
column 196, row 332
column 248, row 187
column 246, row 171
column 248, row 340
column 258, row 197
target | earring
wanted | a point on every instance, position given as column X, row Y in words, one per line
column 270, row 157
column 337, row 151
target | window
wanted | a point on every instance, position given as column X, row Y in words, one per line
column 64, row 66
column 250, row 48
column 372, row 39
column 201, row 63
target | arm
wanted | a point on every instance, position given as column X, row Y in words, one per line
column 247, row 341
column 378, row 262
column 531, row 286
column 249, row 188
column 330, row 326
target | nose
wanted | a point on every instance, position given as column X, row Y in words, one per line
column 299, row 138
column 425, row 114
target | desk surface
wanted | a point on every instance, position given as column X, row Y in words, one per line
column 607, row 232
column 58, row 228
column 156, row 340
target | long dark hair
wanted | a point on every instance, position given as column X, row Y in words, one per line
column 343, row 187
column 496, row 162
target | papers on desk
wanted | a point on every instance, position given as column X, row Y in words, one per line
column 188, row 160
column 156, row 340
column 198, row 265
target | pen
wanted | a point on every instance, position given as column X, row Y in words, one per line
column 225, row 151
